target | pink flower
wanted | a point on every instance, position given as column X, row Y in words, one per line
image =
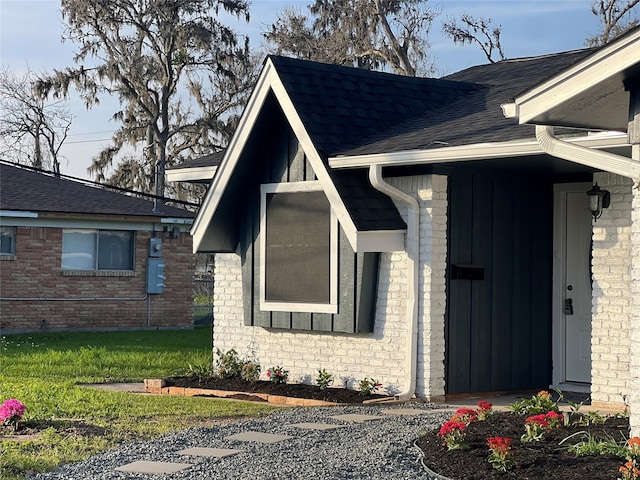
column 11, row 411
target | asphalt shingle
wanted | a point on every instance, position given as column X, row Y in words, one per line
column 25, row 190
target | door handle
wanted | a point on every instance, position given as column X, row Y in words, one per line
column 568, row 306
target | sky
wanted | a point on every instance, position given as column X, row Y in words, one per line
column 30, row 38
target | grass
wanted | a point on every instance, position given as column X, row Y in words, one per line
column 44, row 372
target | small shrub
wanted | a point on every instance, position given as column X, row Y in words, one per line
column 199, row 370
column 369, row 386
column 485, row 410
column 453, row 435
column 537, row 426
column 324, row 379
column 538, row 404
column 11, row 412
column 228, row 364
column 278, row 374
column 251, row 372
column 629, row 471
column 465, row 415
column 590, row 445
column 501, row 456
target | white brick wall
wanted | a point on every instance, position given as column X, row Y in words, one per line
column 350, row 358
column 612, row 294
column 634, row 374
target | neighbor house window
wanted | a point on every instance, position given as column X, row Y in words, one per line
column 7, row 240
column 97, row 249
column 299, row 245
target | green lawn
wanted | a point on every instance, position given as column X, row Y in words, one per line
column 43, row 371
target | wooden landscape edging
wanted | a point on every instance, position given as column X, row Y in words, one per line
column 158, row 387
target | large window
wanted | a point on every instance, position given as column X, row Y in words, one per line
column 7, row 240
column 298, row 249
column 97, row 250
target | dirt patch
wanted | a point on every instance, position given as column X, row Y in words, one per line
column 293, row 390
column 535, row 460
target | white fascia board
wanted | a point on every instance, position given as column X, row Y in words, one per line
column 480, row 151
column 231, row 156
column 316, row 162
column 177, row 221
column 603, row 64
column 17, row 214
column 79, row 223
column 191, row 174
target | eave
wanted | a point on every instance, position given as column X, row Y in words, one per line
column 591, row 94
column 471, row 152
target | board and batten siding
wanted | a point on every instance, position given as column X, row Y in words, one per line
column 357, row 274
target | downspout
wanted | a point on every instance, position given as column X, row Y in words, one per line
column 599, row 159
column 412, row 248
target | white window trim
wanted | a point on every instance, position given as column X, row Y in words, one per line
column 96, row 259
column 332, row 306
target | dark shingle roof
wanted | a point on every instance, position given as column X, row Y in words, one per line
column 25, row 190
column 211, row 160
column 354, row 111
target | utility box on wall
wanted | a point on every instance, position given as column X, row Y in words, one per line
column 155, row 275
column 155, row 247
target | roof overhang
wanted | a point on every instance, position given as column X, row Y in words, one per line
column 464, row 153
column 593, row 94
column 191, row 174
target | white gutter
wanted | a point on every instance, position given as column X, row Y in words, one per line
column 609, row 162
column 412, row 248
column 480, row 151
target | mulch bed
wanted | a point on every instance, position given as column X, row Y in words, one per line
column 295, row 390
column 535, row 460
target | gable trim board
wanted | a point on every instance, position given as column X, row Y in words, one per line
column 608, row 68
column 270, row 82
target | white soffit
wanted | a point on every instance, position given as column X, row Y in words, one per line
column 580, row 85
column 481, row 151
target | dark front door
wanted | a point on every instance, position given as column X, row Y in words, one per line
column 498, row 330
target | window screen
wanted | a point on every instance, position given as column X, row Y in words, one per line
column 298, row 247
column 7, row 240
column 97, row 250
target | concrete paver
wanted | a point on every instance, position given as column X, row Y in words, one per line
column 354, row 417
column 317, row 426
column 259, row 437
column 209, row 452
column 403, row 411
column 153, row 467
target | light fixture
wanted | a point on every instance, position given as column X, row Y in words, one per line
column 598, row 200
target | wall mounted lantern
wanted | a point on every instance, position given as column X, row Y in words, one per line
column 598, row 200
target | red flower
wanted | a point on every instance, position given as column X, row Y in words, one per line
column 450, row 427
column 484, row 406
column 500, row 445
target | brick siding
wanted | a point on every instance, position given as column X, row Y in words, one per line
column 35, row 273
column 612, row 294
column 349, row 357
column 634, row 373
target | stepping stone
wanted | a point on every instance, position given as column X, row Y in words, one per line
column 404, row 411
column 356, row 417
column 209, row 452
column 317, row 426
column 259, row 437
column 153, row 467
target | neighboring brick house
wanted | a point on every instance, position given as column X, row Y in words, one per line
column 408, row 229
column 77, row 257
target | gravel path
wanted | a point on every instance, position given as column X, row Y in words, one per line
column 374, row 449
